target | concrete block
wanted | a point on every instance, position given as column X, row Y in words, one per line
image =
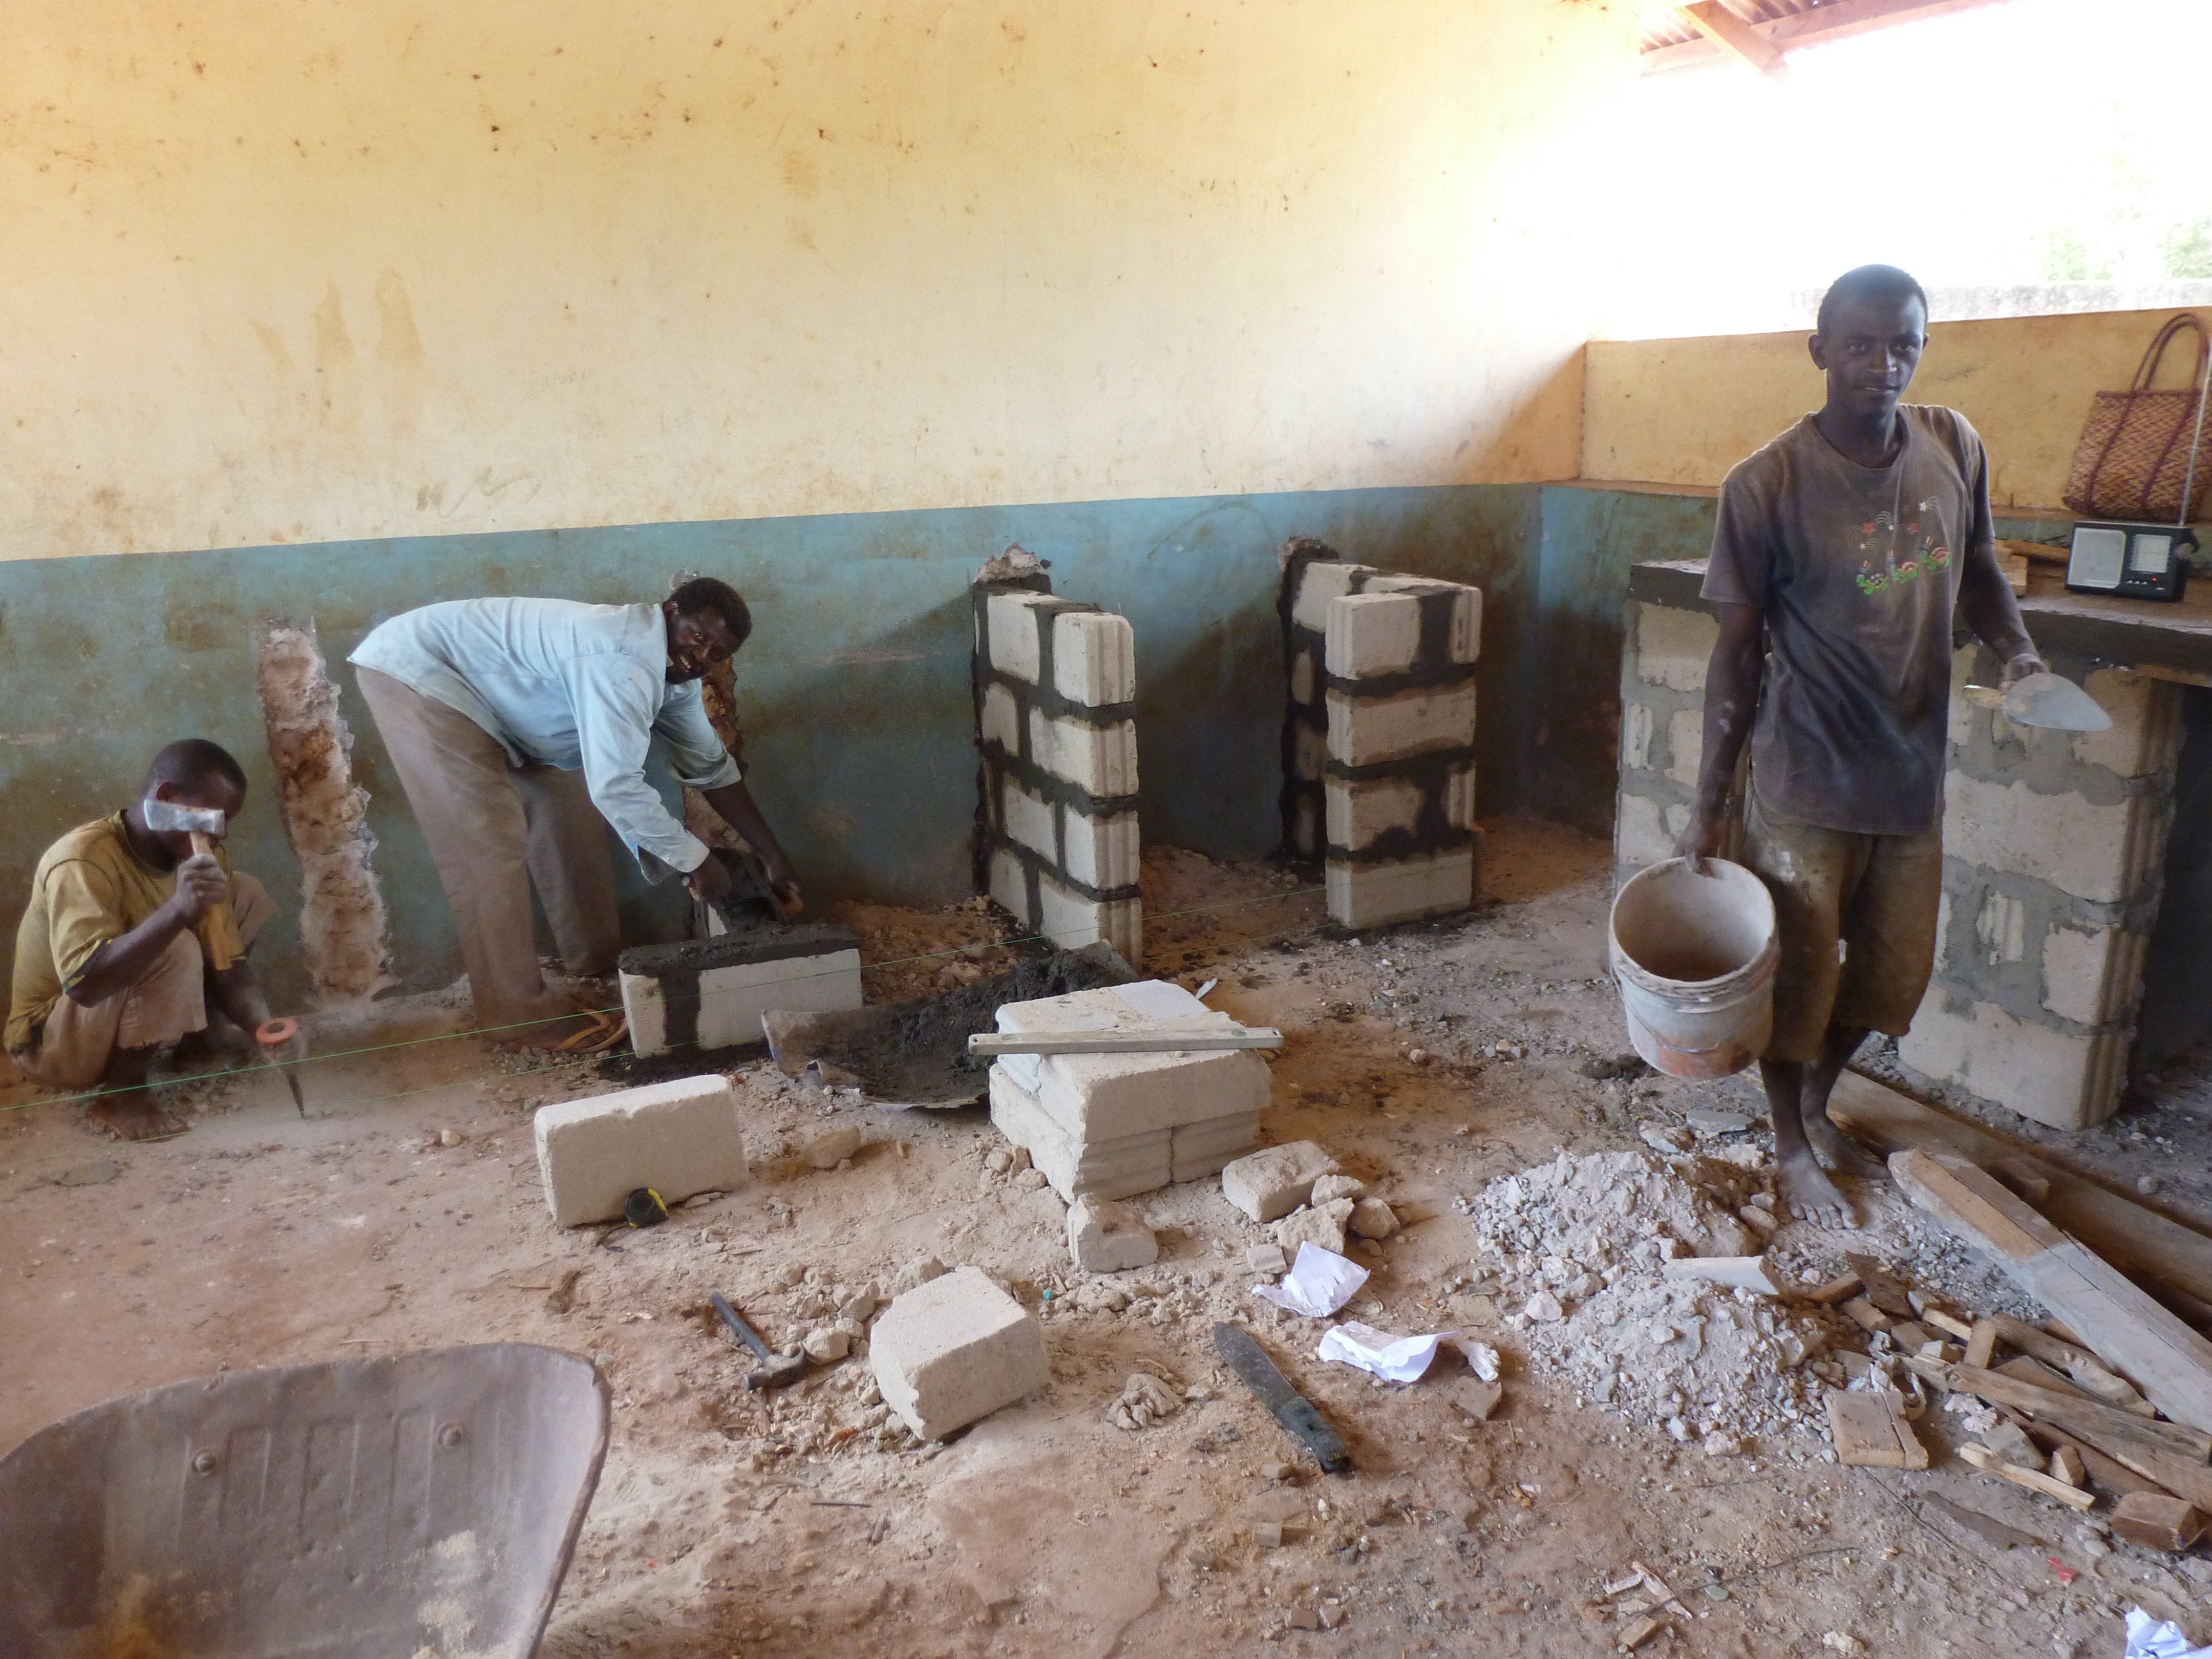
column 2067, row 1081
column 1639, row 836
column 2001, row 927
column 1101, row 759
column 1464, row 642
column 1305, row 827
column 1101, row 852
column 1111, row 1169
column 1686, row 746
column 1459, row 797
column 1276, row 1180
column 1094, row 657
column 1637, row 724
column 1109, row 1237
column 1026, row 819
column 678, row 1137
column 1673, row 647
column 2092, row 975
column 1360, row 813
column 710, row 993
column 1322, row 1224
column 1376, row 895
column 1197, row 1151
column 1372, row 634
column 1305, row 680
column 1094, row 1097
column 1311, row 752
column 1009, row 884
column 1072, row 921
column 2146, row 731
column 1365, row 731
column 1013, row 621
column 954, row 1349
column 2099, row 852
column 1000, row 719
column 1320, row 584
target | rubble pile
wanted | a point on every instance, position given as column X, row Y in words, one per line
column 1579, row 1248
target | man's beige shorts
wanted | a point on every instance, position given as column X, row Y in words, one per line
column 1856, row 914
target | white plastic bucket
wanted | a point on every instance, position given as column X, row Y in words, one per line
column 1695, row 958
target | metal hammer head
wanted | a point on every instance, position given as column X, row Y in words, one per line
column 167, row 817
column 777, row 1372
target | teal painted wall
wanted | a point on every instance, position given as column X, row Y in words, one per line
column 853, row 690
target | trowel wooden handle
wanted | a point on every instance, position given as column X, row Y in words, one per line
column 217, row 926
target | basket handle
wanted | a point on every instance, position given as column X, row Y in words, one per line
column 2153, row 359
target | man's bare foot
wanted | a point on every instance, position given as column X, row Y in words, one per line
column 548, row 1033
column 137, row 1116
column 1839, row 1150
column 1806, row 1194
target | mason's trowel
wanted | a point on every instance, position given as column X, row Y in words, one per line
column 2044, row 700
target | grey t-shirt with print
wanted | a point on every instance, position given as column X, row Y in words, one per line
column 1857, row 569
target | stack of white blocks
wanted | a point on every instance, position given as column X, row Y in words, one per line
column 1055, row 689
column 1379, row 743
column 1114, row 1124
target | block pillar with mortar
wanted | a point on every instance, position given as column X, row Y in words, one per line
column 1055, row 684
column 1378, row 743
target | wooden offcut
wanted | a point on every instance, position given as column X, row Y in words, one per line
column 2156, row 1522
column 2169, row 1362
column 2114, row 1476
column 1870, row 1432
column 2033, row 1479
column 2138, row 1241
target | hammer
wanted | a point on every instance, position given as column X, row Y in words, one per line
column 218, row 928
column 776, row 1369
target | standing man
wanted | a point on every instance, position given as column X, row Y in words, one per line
column 1841, row 551
column 508, row 720
column 108, row 972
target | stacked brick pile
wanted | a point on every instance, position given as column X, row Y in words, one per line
column 1378, row 745
column 1113, row 1125
column 1056, row 688
column 2053, row 847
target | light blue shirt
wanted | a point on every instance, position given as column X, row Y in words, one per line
column 570, row 685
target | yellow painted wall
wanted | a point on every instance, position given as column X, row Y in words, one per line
column 309, row 269
column 1684, row 411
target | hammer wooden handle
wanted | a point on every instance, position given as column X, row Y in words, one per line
column 217, row 926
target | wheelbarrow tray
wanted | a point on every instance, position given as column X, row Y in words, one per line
column 404, row 1506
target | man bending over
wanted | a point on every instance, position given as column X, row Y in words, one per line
column 1841, row 549
column 508, row 720
column 109, row 973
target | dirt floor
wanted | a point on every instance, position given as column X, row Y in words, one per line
column 405, row 1211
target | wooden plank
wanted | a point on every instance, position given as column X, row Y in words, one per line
column 1990, row 1463
column 1987, row 1529
column 2135, row 1240
column 1837, row 21
column 1982, row 1343
column 2170, row 1363
column 991, row 1044
column 2089, row 1419
column 1738, row 39
column 1871, row 1431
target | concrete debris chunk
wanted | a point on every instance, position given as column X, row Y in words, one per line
column 859, row 1308
column 1275, row 1181
column 953, row 1350
column 1106, row 1236
column 1666, row 1140
column 679, row 1137
column 1143, row 1401
column 1478, row 1398
column 827, row 1150
column 1371, row 1218
column 1330, row 1187
column 1267, row 1259
column 1322, row 1227
column 1747, row 1273
column 827, row 1345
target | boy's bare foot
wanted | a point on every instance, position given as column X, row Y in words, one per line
column 1839, row 1150
column 1806, row 1194
column 137, row 1116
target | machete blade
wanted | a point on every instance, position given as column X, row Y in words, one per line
column 1296, row 1414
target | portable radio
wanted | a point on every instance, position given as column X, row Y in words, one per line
column 2131, row 560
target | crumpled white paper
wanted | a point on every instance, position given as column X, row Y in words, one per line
column 2148, row 1639
column 1318, row 1284
column 1392, row 1358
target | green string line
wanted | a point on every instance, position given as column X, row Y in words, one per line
column 588, row 1060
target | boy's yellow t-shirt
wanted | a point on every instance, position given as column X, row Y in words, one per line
column 90, row 888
